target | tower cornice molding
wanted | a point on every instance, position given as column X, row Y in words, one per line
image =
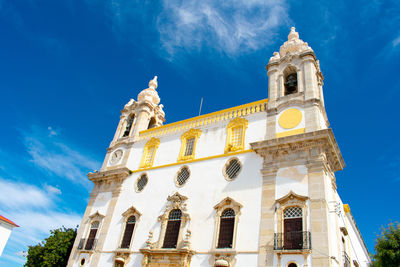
column 110, row 175
column 313, row 146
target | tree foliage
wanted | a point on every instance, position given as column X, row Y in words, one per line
column 54, row 250
column 387, row 247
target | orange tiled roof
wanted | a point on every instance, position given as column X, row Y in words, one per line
column 8, row 221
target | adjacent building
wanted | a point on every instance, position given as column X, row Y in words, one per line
column 6, row 227
column 252, row 185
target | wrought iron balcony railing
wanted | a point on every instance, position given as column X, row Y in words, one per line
column 87, row 244
column 292, row 240
column 346, row 260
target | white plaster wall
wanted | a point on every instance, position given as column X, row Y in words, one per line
column 205, row 188
column 101, row 203
column 293, row 258
column 292, row 178
column 356, row 248
column 5, row 231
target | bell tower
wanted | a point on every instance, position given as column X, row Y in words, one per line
column 136, row 116
column 295, row 98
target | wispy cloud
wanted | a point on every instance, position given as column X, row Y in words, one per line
column 17, row 195
column 396, row 41
column 56, row 157
column 230, row 27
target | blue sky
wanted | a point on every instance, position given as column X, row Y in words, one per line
column 68, row 67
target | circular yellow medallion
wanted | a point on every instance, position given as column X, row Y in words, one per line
column 290, row 118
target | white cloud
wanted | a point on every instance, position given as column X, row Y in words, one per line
column 58, row 158
column 396, row 41
column 231, row 27
column 17, row 195
column 52, row 132
column 52, row 190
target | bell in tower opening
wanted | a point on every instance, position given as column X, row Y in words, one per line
column 291, row 84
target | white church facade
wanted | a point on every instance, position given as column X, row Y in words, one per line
column 252, row 185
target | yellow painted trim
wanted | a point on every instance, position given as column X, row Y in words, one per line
column 153, row 142
column 290, row 118
column 235, row 123
column 205, row 119
column 292, row 132
column 194, row 160
column 346, row 208
column 192, row 133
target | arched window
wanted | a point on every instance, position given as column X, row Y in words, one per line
column 90, row 243
column 129, row 124
column 236, row 130
column 292, row 265
column 129, row 227
column 173, row 227
column 226, row 228
column 152, row 123
column 291, row 83
column 293, row 228
column 149, row 153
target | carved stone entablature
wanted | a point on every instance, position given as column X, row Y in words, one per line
column 108, row 181
column 96, row 216
column 292, row 199
column 166, row 257
column 176, row 201
column 318, row 148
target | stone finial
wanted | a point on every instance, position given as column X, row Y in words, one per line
column 150, row 94
column 153, row 84
column 293, row 34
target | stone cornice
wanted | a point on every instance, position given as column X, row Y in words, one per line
column 116, row 174
column 280, row 149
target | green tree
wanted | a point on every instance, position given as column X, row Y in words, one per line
column 387, row 247
column 54, row 250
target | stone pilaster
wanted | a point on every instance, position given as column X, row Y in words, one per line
column 266, row 240
column 74, row 252
column 318, row 183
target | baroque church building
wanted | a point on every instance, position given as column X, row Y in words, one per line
column 252, row 185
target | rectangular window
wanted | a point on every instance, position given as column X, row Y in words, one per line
column 150, row 155
column 189, row 146
column 236, row 139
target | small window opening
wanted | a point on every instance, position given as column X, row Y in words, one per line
column 292, row 265
column 119, row 264
column 152, row 123
column 291, row 84
column 183, row 176
column 236, row 138
column 172, row 231
column 83, row 262
column 92, row 236
column 142, row 182
column 189, row 146
column 232, row 169
column 129, row 227
column 226, row 227
column 150, row 155
column 128, row 126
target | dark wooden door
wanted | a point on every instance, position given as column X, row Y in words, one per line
column 293, row 235
column 171, row 234
column 126, row 240
column 91, row 238
column 226, row 232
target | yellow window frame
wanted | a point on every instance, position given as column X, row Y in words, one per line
column 236, row 123
column 192, row 133
column 151, row 145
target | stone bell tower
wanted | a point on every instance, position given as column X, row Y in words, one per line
column 300, row 158
column 137, row 116
column 296, row 102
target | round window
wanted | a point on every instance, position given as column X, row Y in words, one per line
column 141, row 182
column 232, row 168
column 82, row 262
column 182, row 176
